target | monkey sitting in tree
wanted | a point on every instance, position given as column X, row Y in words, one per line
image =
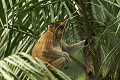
column 52, row 49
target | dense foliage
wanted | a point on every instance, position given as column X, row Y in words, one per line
column 23, row 21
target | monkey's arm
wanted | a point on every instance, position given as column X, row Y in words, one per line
column 72, row 48
column 54, row 53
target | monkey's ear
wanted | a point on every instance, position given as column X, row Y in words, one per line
column 49, row 27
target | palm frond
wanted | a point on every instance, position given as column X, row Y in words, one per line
column 22, row 66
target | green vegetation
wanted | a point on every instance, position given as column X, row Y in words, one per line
column 23, row 21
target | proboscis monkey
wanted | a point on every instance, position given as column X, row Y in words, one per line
column 52, row 49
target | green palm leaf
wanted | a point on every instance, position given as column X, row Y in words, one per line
column 22, row 66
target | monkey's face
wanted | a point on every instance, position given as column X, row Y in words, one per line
column 59, row 32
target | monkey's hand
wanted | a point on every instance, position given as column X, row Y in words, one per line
column 61, row 54
column 86, row 41
column 66, row 55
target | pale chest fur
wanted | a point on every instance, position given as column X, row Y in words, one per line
column 57, row 46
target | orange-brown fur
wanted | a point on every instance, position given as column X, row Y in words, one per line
column 46, row 41
column 55, row 53
column 48, row 51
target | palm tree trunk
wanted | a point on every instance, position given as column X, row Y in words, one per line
column 92, row 55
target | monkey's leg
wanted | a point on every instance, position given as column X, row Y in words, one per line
column 58, row 63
